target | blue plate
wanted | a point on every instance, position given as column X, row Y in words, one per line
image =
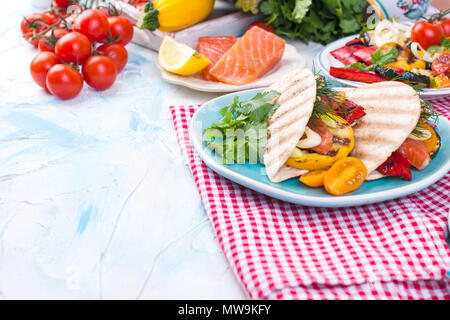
column 254, row 176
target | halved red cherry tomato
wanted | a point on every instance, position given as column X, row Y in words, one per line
column 40, row 66
column 64, row 82
column 441, row 64
column 344, row 176
column 444, row 80
column 262, row 24
column 117, row 53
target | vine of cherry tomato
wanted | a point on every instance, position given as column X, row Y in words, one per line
column 117, row 53
column 76, row 47
column 121, row 28
column 48, row 42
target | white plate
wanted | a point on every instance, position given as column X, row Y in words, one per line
column 325, row 60
column 291, row 60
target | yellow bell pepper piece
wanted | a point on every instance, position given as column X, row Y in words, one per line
column 316, row 161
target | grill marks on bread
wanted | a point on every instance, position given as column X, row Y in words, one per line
column 392, row 112
column 287, row 125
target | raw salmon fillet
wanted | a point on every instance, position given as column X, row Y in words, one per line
column 249, row 58
column 416, row 153
column 213, row 48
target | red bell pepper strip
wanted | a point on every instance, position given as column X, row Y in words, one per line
column 350, row 111
column 345, row 54
column 396, row 165
column 365, row 54
column 354, row 114
column 356, row 75
column 398, row 70
column 354, row 42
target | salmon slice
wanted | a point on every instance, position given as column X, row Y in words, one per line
column 321, row 128
column 416, row 152
column 213, row 48
column 249, row 58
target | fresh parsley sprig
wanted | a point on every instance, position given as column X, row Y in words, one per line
column 241, row 132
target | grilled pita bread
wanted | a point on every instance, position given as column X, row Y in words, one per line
column 287, row 125
column 392, row 112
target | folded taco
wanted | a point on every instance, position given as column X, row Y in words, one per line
column 308, row 130
column 395, row 132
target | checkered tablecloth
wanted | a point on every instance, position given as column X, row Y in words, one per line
column 390, row 250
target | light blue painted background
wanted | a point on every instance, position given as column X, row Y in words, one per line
column 95, row 200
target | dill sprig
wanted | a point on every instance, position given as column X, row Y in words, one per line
column 427, row 112
column 325, row 98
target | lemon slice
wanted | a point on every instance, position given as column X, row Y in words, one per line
column 179, row 58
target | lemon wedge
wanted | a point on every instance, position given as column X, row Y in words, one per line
column 178, row 58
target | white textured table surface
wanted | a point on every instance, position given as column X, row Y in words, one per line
column 95, row 200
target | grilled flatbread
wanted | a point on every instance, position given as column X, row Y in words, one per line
column 392, row 112
column 287, row 125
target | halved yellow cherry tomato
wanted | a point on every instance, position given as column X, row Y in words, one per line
column 313, row 178
column 345, row 175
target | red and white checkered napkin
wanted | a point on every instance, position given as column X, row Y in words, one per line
column 390, row 250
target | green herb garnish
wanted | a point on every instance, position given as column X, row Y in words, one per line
column 241, row 133
column 427, row 113
column 320, row 20
column 378, row 59
column 325, row 98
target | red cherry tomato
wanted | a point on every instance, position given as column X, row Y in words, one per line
column 40, row 65
column 93, row 24
column 138, row 3
column 61, row 3
column 445, row 25
column 73, row 47
column 48, row 42
column 32, row 25
column 51, row 17
column 64, row 82
column 99, row 72
column 117, row 53
column 121, row 28
column 427, row 34
column 262, row 24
